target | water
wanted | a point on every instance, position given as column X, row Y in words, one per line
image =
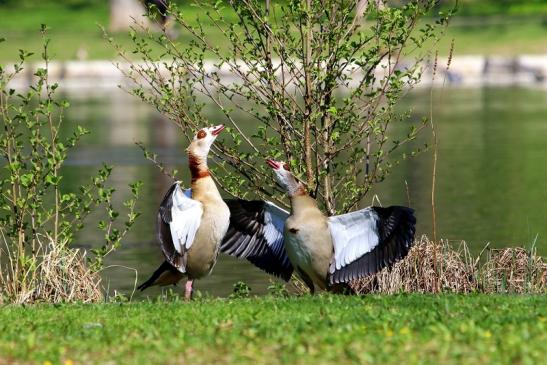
column 491, row 175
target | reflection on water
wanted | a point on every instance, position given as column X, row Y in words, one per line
column 491, row 174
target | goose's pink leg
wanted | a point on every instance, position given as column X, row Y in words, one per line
column 188, row 290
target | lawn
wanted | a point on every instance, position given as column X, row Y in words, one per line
column 75, row 28
column 410, row 329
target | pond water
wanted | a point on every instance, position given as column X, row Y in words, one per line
column 491, row 175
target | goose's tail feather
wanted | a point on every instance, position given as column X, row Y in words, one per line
column 164, row 275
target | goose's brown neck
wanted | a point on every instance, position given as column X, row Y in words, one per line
column 198, row 167
column 203, row 187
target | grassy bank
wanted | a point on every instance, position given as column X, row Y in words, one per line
column 74, row 31
column 446, row 329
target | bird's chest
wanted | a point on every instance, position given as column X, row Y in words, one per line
column 309, row 247
column 298, row 247
column 205, row 248
column 214, row 224
column 303, row 242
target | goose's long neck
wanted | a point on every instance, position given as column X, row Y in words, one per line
column 301, row 201
column 198, row 167
column 203, row 186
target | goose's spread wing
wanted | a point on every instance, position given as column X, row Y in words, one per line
column 178, row 219
column 368, row 240
column 256, row 233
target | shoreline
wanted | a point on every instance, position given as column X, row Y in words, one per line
column 464, row 71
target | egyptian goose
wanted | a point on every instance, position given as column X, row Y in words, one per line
column 191, row 224
column 325, row 251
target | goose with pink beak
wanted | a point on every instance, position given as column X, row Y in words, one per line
column 194, row 225
column 191, row 224
column 325, row 251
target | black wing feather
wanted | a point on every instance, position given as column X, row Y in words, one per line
column 396, row 227
column 246, row 238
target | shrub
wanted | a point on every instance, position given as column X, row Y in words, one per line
column 317, row 80
column 38, row 218
column 240, row 290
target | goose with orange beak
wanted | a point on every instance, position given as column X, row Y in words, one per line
column 191, row 224
column 325, row 251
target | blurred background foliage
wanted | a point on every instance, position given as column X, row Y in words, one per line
column 486, row 27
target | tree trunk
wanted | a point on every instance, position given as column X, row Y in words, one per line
column 308, row 99
column 124, row 13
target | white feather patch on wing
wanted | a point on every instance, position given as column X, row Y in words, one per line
column 353, row 235
column 186, row 217
column 274, row 223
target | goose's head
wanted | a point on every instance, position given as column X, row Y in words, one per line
column 285, row 177
column 203, row 140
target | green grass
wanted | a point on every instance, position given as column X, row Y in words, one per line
column 70, row 29
column 498, row 7
column 75, row 27
column 415, row 329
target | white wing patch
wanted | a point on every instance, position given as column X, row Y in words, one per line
column 353, row 235
column 186, row 217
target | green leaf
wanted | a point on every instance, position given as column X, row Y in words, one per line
column 53, row 180
column 26, row 179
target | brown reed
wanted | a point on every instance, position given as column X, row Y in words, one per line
column 55, row 274
column 455, row 270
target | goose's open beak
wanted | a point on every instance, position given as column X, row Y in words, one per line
column 273, row 164
column 217, row 130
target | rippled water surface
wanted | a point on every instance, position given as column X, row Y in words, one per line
column 491, row 174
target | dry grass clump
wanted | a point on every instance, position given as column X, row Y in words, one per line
column 442, row 267
column 514, row 270
column 53, row 274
